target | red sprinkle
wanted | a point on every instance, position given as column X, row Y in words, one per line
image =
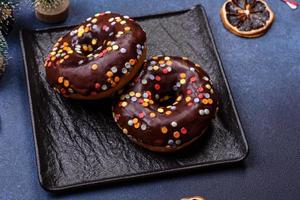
column 141, row 101
column 200, row 96
column 93, row 93
column 189, row 91
column 101, row 54
column 200, row 89
column 157, row 78
column 183, row 130
column 190, row 104
column 193, row 79
column 141, row 115
column 63, row 91
column 97, row 85
column 157, row 86
column 104, row 27
column 165, row 70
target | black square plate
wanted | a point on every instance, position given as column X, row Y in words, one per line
column 78, row 143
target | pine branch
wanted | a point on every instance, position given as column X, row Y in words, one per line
column 6, row 16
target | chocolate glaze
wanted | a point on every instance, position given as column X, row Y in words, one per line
column 168, row 106
column 96, row 57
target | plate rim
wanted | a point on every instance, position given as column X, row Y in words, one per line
column 138, row 175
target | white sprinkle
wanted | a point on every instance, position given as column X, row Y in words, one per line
column 123, row 50
column 205, row 78
column 149, row 68
column 80, row 62
column 206, row 95
column 173, row 107
column 111, row 19
column 138, row 46
column 124, row 70
column 126, row 17
column 95, row 27
column 111, row 34
column 178, row 142
column 113, row 23
column 196, row 100
column 88, row 19
column 104, row 87
column 127, row 65
column 206, row 111
column 152, row 62
column 143, row 127
column 133, row 99
column 144, row 81
column 145, row 95
column 139, row 52
column 114, row 69
column 108, row 12
column 127, row 96
column 173, row 124
column 169, row 69
column 201, row 112
column 151, row 77
column 130, row 122
column 192, row 69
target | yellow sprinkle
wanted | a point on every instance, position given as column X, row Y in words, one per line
column 135, row 120
column 188, row 99
column 90, row 48
column 94, row 67
column 164, row 130
column 124, row 104
column 70, row 52
column 66, row 57
column 152, row 115
column 85, row 47
column 179, row 98
column 169, row 62
column 138, row 94
column 118, row 19
column 182, row 75
column 94, row 20
column 132, row 93
column 108, row 48
column 208, row 86
column 61, row 60
column 145, row 104
column 86, row 29
column 197, row 65
column 160, row 110
column 115, row 47
column 53, row 58
column 123, row 22
column 167, row 58
column 184, row 58
column 53, row 53
column 182, row 81
column 154, row 57
column 127, row 28
column 94, row 41
column 125, row 131
column 155, row 68
column 161, row 62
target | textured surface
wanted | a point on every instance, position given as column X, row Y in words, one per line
column 263, row 74
column 79, row 143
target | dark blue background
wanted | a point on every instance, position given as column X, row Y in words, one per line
column 264, row 75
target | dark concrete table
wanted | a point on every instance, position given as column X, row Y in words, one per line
column 264, row 75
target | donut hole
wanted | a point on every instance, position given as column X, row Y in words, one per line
column 168, row 99
column 89, row 44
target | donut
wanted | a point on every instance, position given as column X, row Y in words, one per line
column 168, row 106
column 96, row 58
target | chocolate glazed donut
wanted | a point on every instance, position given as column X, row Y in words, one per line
column 96, row 58
column 168, row 106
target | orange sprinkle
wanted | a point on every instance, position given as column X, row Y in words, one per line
column 169, row 62
column 109, row 74
column 182, row 75
column 60, row 79
column 164, row 130
column 117, row 79
column 66, row 83
column 210, row 101
column 176, row 134
column 204, row 101
column 132, row 61
column 137, row 125
column 152, row 115
column 168, row 112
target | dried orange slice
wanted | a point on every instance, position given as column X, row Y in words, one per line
column 247, row 18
